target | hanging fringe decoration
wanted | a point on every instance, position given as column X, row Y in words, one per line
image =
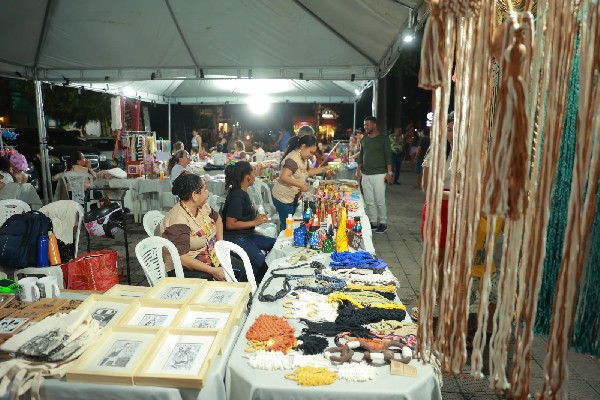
column 506, row 173
column 586, row 338
column 560, row 205
column 431, row 71
column 582, row 206
column 560, row 29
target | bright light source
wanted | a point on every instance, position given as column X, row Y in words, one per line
column 356, row 92
column 128, row 92
column 404, row 97
column 259, row 104
column 408, row 37
column 247, row 137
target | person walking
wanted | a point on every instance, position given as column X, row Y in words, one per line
column 397, row 144
column 422, row 150
column 374, row 171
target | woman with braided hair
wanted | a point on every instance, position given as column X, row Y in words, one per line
column 240, row 217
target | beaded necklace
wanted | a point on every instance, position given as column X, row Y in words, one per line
column 208, row 232
column 286, row 284
column 324, row 284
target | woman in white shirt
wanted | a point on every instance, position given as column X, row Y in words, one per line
column 259, row 153
column 178, row 164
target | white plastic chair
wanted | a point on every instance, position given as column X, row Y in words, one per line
column 76, row 182
column 151, row 220
column 10, row 207
column 223, row 248
column 215, row 202
column 149, row 253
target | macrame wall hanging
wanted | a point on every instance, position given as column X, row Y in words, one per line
column 511, row 179
column 582, row 206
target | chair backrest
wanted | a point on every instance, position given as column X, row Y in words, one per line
column 152, row 219
column 265, row 192
column 223, row 248
column 76, row 182
column 216, row 202
column 69, row 205
column 149, row 253
column 10, row 207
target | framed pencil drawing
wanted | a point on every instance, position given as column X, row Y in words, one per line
column 127, row 291
column 230, row 294
column 107, row 310
column 115, row 357
column 180, row 290
column 208, row 318
column 180, row 358
column 11, row 325
column 150, row 313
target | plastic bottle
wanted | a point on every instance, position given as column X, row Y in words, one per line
column 42, row 251
column 357, row 225
column 289, row 226
column 53, row 253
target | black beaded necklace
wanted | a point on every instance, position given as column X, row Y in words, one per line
column 287, row 287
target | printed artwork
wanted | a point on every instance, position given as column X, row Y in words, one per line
column 205, row 322
column 120, row 354
column 182, row 357
column 8, row 325
column 43, row 344
column 220, row 297
column 175, row 293
column 104, row 315
column 152, row 320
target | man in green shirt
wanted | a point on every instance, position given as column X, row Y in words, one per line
column 375, row 170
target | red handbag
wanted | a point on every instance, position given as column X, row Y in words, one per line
column 97, row 270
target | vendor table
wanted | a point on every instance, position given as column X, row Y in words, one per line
column 22, row 191
column 214, row 387
column 245, row 383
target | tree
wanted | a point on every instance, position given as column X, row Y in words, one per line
column 66, row 104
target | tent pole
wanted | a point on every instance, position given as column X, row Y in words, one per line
column 45, row 166
column 169, row 118
column 375, row 96
column 354, row 119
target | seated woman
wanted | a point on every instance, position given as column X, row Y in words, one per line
column 5, row 176
column 177, row 146
column 240, row 217
column 178, row 164
column 194, row 228
column 294, row 172
column 239, row 153
column 78, row 163
column 19, row 166
column 259, row 153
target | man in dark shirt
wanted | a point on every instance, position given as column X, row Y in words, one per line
column 375, row 170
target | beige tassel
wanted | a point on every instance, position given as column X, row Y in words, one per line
column 505, row 177
column 431, row 73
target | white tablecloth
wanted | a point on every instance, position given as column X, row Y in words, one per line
column 22, row 191
column 245, row 383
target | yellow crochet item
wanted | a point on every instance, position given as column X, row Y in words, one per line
column 362, row 299
column 312, row 376
column 341, row 238
column 385, row 288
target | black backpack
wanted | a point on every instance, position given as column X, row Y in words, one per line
column 18, row 238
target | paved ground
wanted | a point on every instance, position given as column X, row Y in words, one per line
column 401, row 248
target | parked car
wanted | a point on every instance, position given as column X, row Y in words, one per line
column 105, row 147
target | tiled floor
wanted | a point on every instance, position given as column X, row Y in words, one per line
column 401, row 248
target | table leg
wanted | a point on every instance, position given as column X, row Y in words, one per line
column 127, row 266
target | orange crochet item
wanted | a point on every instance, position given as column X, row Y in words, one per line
column 275, row 331
column 375, row 344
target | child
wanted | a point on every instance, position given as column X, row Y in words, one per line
column 219, row 158
column 259, row 153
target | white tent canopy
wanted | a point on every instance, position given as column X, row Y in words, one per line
column 233, row 91
column 132, row 40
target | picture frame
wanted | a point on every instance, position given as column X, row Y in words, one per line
column 231, row 294
column 178, row 290
column 209, row 318
column 47, row 304
column 179, row 358
column 11, row 325
column 127, row 291
column 149, row 313
column 107, row 310
column 115, row 357
column 32, row 314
